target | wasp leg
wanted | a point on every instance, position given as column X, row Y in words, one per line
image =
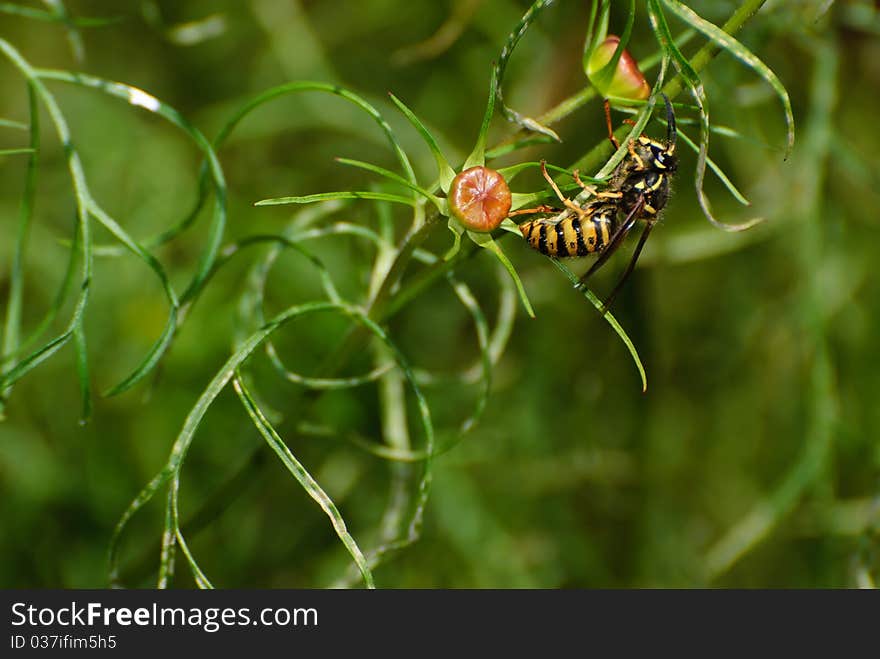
column 552, row 183
column 611, row 137
column 576, row 175
column 632, row 264
column 568, row 203
column 635, row 156
column 537, row 209
column 615, row 242
column 609, row 195
column 589, row 188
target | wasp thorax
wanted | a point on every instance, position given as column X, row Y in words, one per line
column 644, row 175
column 480, row 198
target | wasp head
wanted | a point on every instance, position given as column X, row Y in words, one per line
column 663, row 156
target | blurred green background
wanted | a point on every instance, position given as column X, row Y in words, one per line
column 753, row 459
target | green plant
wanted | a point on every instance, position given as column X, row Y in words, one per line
column 403, row 266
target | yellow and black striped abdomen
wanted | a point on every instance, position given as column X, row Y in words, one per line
column 572, row 235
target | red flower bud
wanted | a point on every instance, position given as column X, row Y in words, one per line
column 627, row 81
column 479, row 198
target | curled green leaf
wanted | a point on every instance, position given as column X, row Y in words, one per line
column 738, row 50
column 693, row 82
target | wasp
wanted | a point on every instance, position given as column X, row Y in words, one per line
column 638, row 191
column 584, row 232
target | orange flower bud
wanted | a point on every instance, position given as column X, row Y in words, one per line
column 479, row 198
column 627, row 81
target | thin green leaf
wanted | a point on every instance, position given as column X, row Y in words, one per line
column 596, row 302
column 498, row 337
column 499, row 69
column 55, row 307
column 602, row 78
column 323, row 383
column 134, row 247
column 73, row 36
column 478, row 155
column 253, row 300
column 716, row 169
column 161, row 345
column 485, row 241
column 250, row 106
column 16, row 152
column 151, row 359
column 738, row 50
column 172, row 468
column 282, row 242
column 81, row 194
column 324, row 196
column 457, row 230
column 250, row 314
column 510, row 226
column 305, row 479
column 597, row 29
column 521, row 199
column 481, row 327
column 191, row 424
column 656, row 58
column 169, row 544
column 370, row 446
column 12, row 326
column 28, row 12
column 8, row 123
column 199, row 576
column 490, row 350
column 143, row 498
column 337, row 229
column 397, row 178
column 303, row 86
column 444, row 170
column 33, row 360
column 52, row 17
column 509, row 173
column 140, row 98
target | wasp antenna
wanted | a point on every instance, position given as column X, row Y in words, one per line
column 671, row 131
